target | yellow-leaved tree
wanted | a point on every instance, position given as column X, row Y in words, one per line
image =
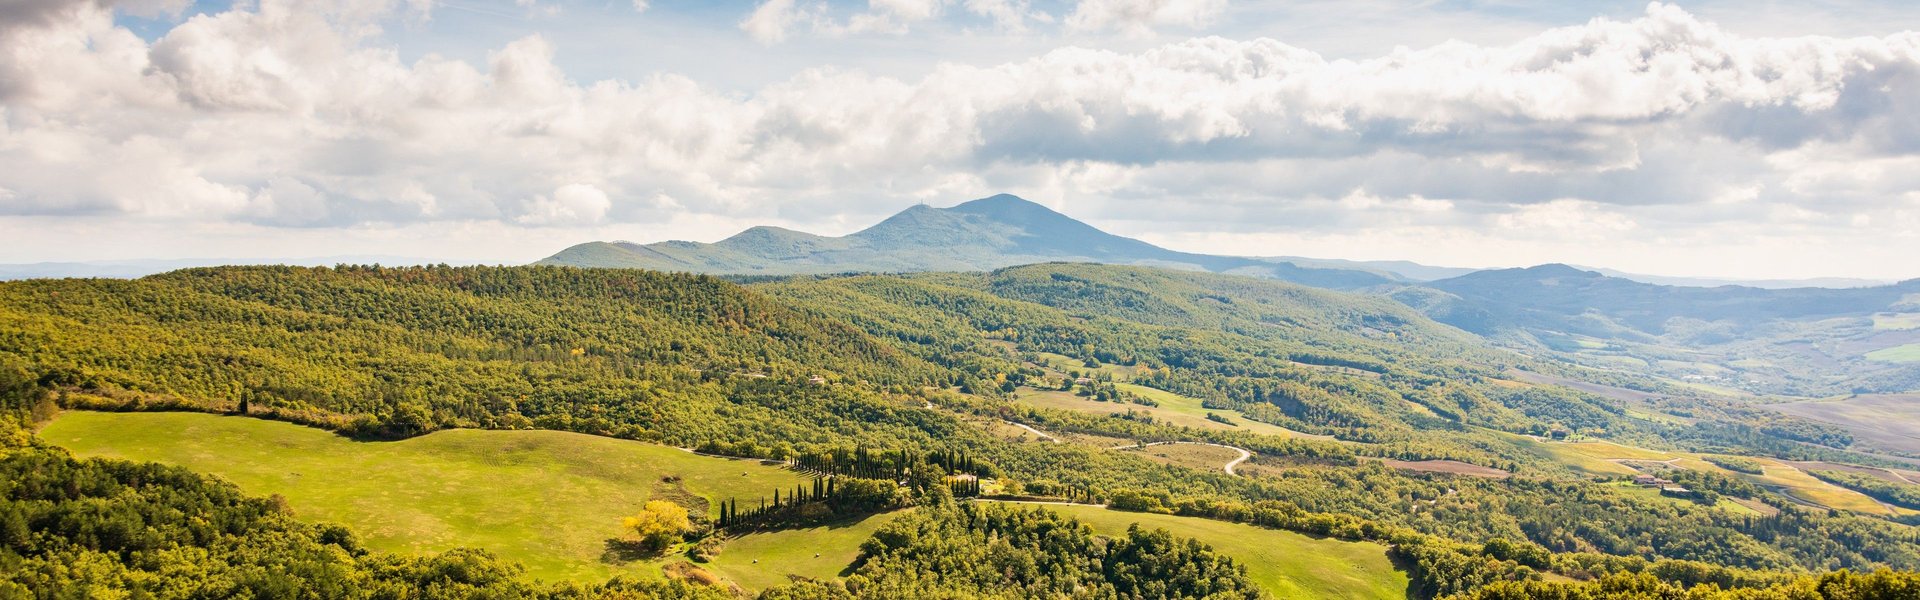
column 659, row 523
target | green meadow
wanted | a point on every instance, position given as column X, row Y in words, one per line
column 1286, row 564
column 1897, row 354
column 1174, row 409
column 761, row 560
column 548, row 499
column 551, row 500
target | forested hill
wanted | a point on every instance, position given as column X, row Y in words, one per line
column 979, row 235
column 1327, row 388
column 469, row 346
column 1564, row 298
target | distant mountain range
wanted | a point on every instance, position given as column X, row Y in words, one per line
column 985, row 234
column 1006, row 230
column 1562, row 298
column 1413, row 271
column 1717, row 330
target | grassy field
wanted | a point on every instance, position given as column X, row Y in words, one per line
column 1896, row 321
column 1653, row 495
column 1286, row 564
column 1173, row 409
column 1807, row 488
column 1599, row 458
column 1195, row 456
column 1897, row 354
column 547, row 499
column 1886, row 421
column 1591, row 457
column 816, row 552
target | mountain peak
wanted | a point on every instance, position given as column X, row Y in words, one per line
column 1560, row 270
column 761, row 232
column 982, row 234
column 1007, row 207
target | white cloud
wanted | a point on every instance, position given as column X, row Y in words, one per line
column 571, row 204
column 1008, row 15
column 1142, row 17
column 298, row 114
column 1563, row 218
column 769, row 22
column 640, row 5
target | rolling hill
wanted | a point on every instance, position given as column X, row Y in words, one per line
column 980, row 235
column 1574, row 300
column 1804, row 341
column 908, row 365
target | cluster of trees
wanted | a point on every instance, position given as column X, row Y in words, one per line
column 997, row 551
column 1839, row 585
column 964, row 487
column 827, row 498
column 659, row 524
column 861, row 462
column 1738, row 464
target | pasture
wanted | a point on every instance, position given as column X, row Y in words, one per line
column 1605, row 458
column 548, row 499
column 1885, row 421
column 1906, row 353
column 1194, row 456
column 1286, row 564
column 1174, row 409
column 1896, row 321
column 761, row 560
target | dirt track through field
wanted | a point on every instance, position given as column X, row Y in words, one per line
column 1244, row 454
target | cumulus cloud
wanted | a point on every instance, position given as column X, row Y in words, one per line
column 296, row 114
column 769, row 22
column 772, row 21
column 1008, row 15
column 1142, row 17
column 571, row 204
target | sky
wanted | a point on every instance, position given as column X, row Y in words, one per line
column 1739, row 139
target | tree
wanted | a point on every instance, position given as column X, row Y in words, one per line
column 659, row 523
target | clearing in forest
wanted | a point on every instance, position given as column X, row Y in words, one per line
column 1174, row 409
column 1286, row 564
column 757, row 561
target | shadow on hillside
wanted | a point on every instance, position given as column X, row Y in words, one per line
column 1405, row 565
column 620, row 551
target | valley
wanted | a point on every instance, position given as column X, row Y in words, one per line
column 959, row 300
column 553, row 500
column 1334, row 444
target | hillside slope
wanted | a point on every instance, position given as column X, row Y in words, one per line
column 979, row 235
column 1801, row 341
column 399, row 351
column 1587, row 302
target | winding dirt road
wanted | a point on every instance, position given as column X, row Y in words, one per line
column 1244, row 454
